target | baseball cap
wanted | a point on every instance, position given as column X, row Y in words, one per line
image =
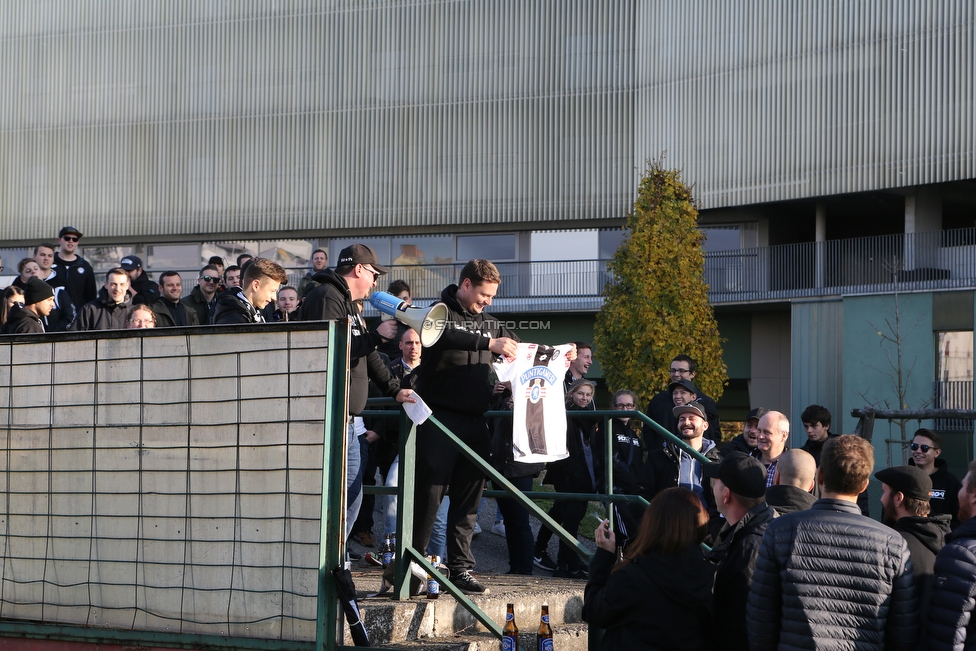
column 131, row 262
column 911, row 481
column 360, row 254
column 693, row 407
column 36, row 291
column 69, row 230
column 757, row 413
column 744, row 475
column 687, row 384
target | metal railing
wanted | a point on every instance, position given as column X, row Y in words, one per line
column 504, row 489
column 957, row 394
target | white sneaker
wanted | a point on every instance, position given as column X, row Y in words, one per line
column 477, row 528
column 499, row 529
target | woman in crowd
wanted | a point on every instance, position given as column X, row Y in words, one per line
column 140, row 316
column 580, row 472
column 659, row 596
column 26, row 268
column 11, row 295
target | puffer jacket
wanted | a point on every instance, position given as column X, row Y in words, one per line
column 830, row 578
column 735, row 554
column 951, row 624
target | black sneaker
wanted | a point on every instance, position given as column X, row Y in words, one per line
column 467, row 583
column 545, row 562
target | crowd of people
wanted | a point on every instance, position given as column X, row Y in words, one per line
column 793, row 561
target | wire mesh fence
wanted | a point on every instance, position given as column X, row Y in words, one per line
column 164, row 480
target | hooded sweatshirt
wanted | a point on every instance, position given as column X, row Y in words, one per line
column 22, row 321
column 77, row 276
column 925, row 538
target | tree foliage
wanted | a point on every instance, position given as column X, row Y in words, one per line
column 656, row 305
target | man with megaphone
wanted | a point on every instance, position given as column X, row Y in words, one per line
column 340, row 296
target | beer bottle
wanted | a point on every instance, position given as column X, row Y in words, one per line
column 393, row 547
column 387, row 551
column 510, row 632
column 433, row 587
column 544, row 635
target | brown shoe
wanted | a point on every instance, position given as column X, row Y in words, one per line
column 365, row 538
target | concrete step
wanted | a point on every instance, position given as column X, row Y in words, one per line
column 441, row 621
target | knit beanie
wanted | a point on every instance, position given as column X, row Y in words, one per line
column 36, row 291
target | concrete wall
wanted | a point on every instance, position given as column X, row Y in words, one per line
column 165, row 481
column 770, row 384
column 818, row 370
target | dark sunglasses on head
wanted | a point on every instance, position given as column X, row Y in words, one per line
column 70, row 238
column 210, row 279
column 925, row 448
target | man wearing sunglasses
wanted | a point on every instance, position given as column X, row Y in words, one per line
column 926, row 447
column 340, row 296
column 201, row 300
column 71, row 270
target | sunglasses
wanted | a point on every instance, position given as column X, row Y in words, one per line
column 70, row 238
column 925, row 448
column 210, row 279
column 376, row 274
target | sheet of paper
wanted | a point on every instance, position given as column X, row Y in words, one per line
column 418, row 411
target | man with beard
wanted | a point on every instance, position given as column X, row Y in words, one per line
column 108, row 311
column 670, row 465
column 951, row 624
column 905, row 494
column 745, row 442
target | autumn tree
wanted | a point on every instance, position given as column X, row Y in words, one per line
column 656, row 304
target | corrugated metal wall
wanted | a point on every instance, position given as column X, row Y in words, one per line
column 132, row 118
column 817, row 363
column 765, row 100
column 205, row 116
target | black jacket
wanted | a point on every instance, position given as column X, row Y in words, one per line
column 628, row 456
column 831, row 578
column 199, row 304
column 816, row 447
column 571, row 475
column 657, row 601
column 233, row 307
column 925, row 537
column 20, row 320
column 787, row 499
column 102, row 313
column 660, row 471
column 77, row 276
column 164, row 314
column 145, row 290
column 735, row 553
column 945, row 492
column 332, row 300
column 951, row 625
column 63, row 316
column 660, row 406
column 456, row 373
column 738, row 444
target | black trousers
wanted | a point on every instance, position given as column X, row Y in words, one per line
column 518, row 531
column 440, row 465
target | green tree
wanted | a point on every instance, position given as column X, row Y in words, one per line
column 656, row 305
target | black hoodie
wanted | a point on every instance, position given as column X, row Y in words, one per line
column 333, row 300
column 456, row 374
column 945, row 492
column 20, row 320
column 77, row 276
column 925, row 538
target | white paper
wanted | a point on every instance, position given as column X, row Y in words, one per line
column 418, row 411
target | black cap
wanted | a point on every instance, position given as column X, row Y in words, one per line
column 360, row 254
column 36, row 291
column 688, row 384
column 744, row 475
column 911, row 481
column 69, row 230
column 757, row 413
column 131, row 262
column 693, row 407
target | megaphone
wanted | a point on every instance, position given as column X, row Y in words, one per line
column 427, row 321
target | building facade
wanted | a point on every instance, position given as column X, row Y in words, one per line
column 830, row 145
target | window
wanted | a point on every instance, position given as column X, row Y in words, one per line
column 721, row 238
column 490, row 247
